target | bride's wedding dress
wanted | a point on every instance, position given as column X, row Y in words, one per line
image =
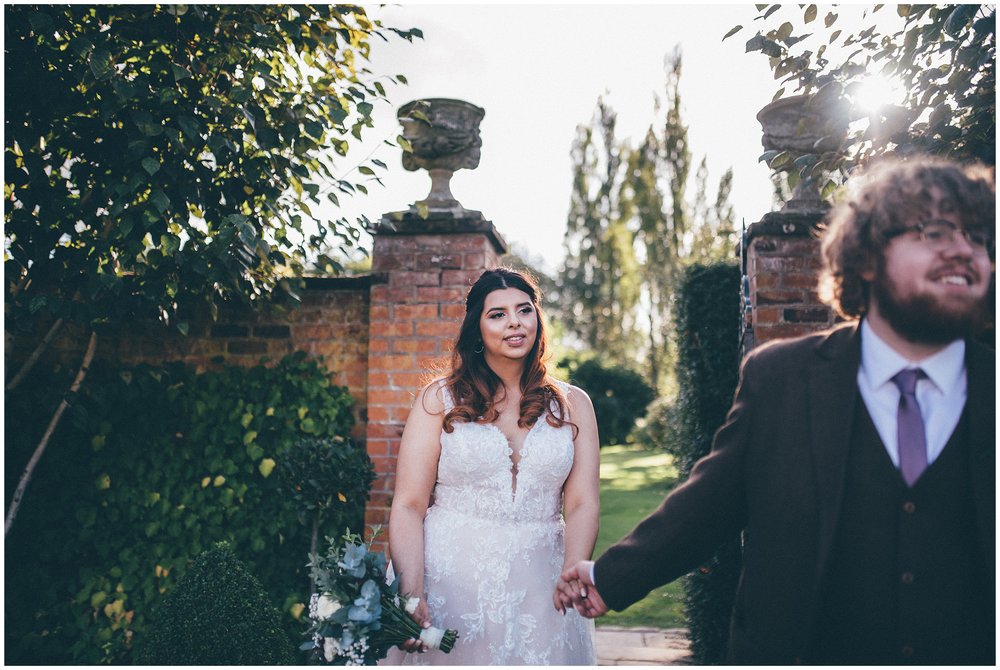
column 493, row 546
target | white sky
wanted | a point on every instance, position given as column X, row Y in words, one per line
column 538, row 70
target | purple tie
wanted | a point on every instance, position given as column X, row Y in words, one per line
column 910, row 427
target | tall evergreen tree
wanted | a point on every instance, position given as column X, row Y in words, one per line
column 658, row 184
column 631, row 228
column 713, row 234
column 598, row 287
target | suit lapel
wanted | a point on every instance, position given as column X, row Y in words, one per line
column 832, row 389
column 981, row 405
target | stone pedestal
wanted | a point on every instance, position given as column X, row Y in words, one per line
column 422, row 269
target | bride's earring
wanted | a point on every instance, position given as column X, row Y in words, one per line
column 480, row 349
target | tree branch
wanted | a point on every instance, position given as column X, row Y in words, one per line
column 81, row 374
column 35, row 355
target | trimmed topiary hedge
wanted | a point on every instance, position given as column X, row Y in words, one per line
column 218, row 614
column 707, row 312
column 151, row 467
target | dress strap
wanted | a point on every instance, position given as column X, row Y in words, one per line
column 554, row 406
column 449, row 402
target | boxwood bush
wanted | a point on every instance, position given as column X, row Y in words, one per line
column 151, row 467
column 218, row 614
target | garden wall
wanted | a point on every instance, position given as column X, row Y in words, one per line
column 330, row 323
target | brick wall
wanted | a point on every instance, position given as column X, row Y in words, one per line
column 782, row 267
column 415, row 315
column 331, row 323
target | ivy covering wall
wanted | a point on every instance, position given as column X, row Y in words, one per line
column 155, row 466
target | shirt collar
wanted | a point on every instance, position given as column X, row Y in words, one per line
column 880, row 362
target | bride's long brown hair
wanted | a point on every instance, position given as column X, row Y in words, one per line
column 473, row 385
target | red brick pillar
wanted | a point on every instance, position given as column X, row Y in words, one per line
column 422, row 270
column 782, row 267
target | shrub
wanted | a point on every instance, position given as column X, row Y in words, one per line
column 707, row 331
column 328, row 482
column 620, row 396
column 219, row 614
column 154, row 466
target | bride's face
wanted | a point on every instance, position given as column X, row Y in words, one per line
column 509, row 324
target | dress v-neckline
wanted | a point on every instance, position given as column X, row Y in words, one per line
column 515, row 466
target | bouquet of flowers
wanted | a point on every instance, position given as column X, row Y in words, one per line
column 357, row 615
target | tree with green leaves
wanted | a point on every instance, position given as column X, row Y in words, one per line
column 631, row 228
column 670, row 229
column 161, row 155
column 942, row 56
column 664, row 163
column 599, row 288
column 713, row 237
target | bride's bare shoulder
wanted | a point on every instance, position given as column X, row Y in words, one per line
column 431, row 397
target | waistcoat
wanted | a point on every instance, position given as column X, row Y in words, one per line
column 906, row 582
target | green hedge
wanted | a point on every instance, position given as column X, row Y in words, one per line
column 151, row 467
column 707, row 312
column 219, row 614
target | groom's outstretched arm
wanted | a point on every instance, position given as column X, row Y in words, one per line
column 695, row 518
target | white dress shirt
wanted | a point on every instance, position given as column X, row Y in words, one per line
column 941, row 394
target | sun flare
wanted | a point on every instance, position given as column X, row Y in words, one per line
column 877, row 92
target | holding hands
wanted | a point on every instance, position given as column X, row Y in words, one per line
column 575, row 588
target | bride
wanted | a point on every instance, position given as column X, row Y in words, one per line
column 497, row 491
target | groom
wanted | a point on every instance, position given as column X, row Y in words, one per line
column 859, row 462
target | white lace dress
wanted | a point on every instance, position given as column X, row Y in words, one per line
column 493, row 546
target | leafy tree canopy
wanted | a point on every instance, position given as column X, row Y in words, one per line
column 942, row 56
column 156, row 152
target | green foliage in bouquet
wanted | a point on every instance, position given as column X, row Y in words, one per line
column 620, row 396
column 357, row 614
column 219, row 614
column 707, row 334
column 153, row 466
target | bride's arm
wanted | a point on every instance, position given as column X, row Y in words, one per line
column 581, row 492
column 416, row 472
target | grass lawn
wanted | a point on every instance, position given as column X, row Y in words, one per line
column 633, row 482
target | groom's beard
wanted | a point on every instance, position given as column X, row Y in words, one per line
column 925, row 319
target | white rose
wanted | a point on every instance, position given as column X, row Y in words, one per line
column 411, row 604
column 326, row 606
column 330, row 648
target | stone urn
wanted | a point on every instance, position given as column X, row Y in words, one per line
column 444, row 137
column 801, row 125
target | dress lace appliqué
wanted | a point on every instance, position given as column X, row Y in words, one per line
column 493, row 545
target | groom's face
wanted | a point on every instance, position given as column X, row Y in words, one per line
column 932, row 291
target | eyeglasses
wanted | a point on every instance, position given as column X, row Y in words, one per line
column 940, row 234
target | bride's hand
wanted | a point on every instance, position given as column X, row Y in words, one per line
column 564, row 595
column 422, row 616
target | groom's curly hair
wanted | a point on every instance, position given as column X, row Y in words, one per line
column 472, row 383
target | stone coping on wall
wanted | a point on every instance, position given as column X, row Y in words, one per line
column 439, row 221
column 786, row 224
